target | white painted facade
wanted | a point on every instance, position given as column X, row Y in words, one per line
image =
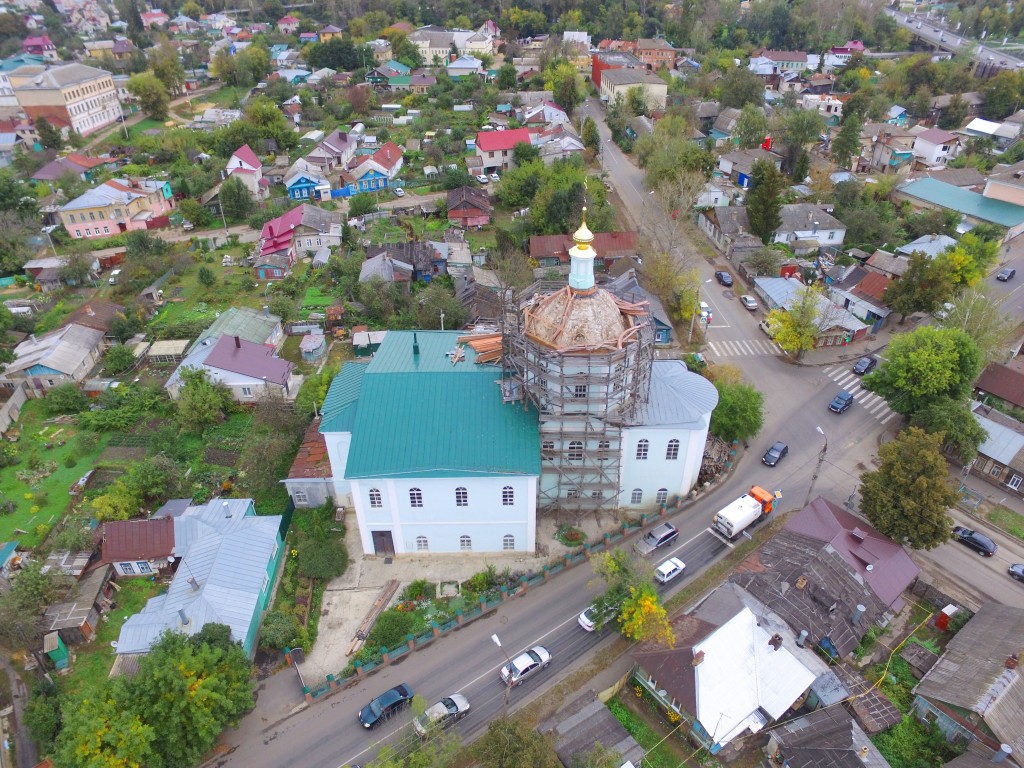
column 659, row 477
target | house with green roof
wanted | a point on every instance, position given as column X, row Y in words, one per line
column 424, row 449
column 973, row 207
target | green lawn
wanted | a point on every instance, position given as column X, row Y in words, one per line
column 93, row 661
column 40, row 500
column 1008, row 520
column 661, row 757
column 146, row 124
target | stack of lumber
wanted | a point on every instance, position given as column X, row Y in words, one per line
column 486, row 345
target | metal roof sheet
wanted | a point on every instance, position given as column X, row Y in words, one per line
column 964, row 201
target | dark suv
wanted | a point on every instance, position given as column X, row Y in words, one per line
column 841, row 402
column 980, row 543
column 386, row 705
column 656, row 537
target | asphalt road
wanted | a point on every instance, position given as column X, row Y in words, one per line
column 935, row 33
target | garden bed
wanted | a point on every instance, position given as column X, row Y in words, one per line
column 649, row 727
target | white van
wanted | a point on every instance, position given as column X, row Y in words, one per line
column 114, row 276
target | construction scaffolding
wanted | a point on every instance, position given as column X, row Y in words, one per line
column 583, row 360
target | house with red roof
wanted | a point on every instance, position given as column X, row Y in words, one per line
column 300, row 232
column 80, row 165
column 247, row 369
column 494, row 148
column 40, row 45
column 310, row 481
column 155, row 18
column 288, row 25
column 138, row 547
column 244, row 165
column 861, row 292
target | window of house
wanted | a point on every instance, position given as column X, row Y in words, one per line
column 1015, row 482
column 88, row 232
column 597, row 494
column 996, row 470
column 572, row 493
column 672, row 451
column 508, row 542
column 508, row 496
column 579, row 391
column 71, row 218
column 78, row 233
column 143, row 567
column 266, row 583
column 547, row 445
column 422, row 545
column 375, row 498
column 415, row 497
column 246, row 391
column 637, row 496
column 106, row 230
column 127, row 568
column 465, row 543
column 576, row 451
column 641, row 450
column 831, row 235
column 461, row 497
column 51, row 383
column 662, row 496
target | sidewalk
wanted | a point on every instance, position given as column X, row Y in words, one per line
column 872, row 344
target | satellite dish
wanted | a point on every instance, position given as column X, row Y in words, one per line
column 170, row 559
column 113, row 644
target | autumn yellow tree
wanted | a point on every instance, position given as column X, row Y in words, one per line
column 644, row 618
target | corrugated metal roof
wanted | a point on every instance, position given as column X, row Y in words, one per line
column 339, row 408
column 964, row 201
column 63, row 350
column 1003, row 442
column 423, row 416
column 249, row 324
column 679, row 398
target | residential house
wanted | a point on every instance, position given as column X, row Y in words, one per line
column 602, row 61
column 974, row 208
column 302, row 230
column 930, row 245
column 307, row 38
column 974, row 100
column 40, row 45
column 118, row 205
column 309, row 481
column 80, row 97
column 844, row 577
column 292, row 75
column 381, row 50
column 45, row 272
column 968, row 178
column 77, row 619
column 464, row 66
column 250, row 371
column 99, row 315
column 1002, row 135
column 153, row 19
column 627, row 287
column 139, row 547
column 381, row 75
column 617, row 82
column 553, row 250
column 738, row 165
column 825, row 737
column 383, row 267
column 433, row 43
column 836, row 326
column 469, row 207
column 655, row 53
column 321, row 77
column 250, row 324
column 974, row 692
column 495, row 148
column 247, row 168
column 63, row 356
column 897, row 115
column 806, row 228
column 730, row 674
column 728, row 229
column 308, row 184
column 337, row 150
column 412, row 511
column 794, row 61
column 76, row 164
column 888, row 264
column 1000, row 459
column 288, row 25
column 228, row 563
column 828, row 106
column 1003, row 381
column 888, row 147
column 215, row 117
column 1004, row 182
column 558, row 142
column 329, row 32
column 935, row 146
column 544, row 114
column 862, row 292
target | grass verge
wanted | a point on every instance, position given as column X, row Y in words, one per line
column 1010, row 521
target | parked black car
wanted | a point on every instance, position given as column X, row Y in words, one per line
column 386, row 705
column 865, row 365
column 979, row 542
column 841, row 402
column 775, row 454
column 724, row 278
column 1016, row 571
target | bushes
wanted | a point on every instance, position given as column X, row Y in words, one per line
column 421, row 589
column 280, row 630
column 390, row 630
column 322, row 559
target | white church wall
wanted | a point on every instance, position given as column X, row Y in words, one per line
column 656, row 472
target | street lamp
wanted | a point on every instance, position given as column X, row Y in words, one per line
column 497, row 641
column 817, row 468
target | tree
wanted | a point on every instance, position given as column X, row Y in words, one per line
column 76, row 270
column 598, row 756
column 970, row 259
column 65, row 398
column 166, row 65
column 151, row 93
column 751, row 127
column 908, row 496
column 322, row 559
column 766, row 261
column 923, row 365
column 740, row 412
column 261, row 457
column 15, row 230
column 636, row 100
column 206, row 277
column 235, row 200
column 436, row 299
column 954, row 116
column 643, row 618
column 982, row 318
column 361, row 204
column 279, row 630
column 847, row 142
column 590, row 135
column 201, row 402
column 764, row 200
column 507, row 77
column 512, row 743
column 118, row 502
column 565, row 85
column 798, row 128
column 953, row 420
column 102, row 728
column 119, row 359
column 925, row 285
column 739, row 87
column 796, row 329
column 1002, row 94
column 524, row 152
column 49, row 137
column 336, row 53
column 196, row 212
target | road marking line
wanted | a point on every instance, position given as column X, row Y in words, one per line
column 888, row 417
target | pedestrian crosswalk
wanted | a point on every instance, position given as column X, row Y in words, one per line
column 868, row 401
column 743, row 348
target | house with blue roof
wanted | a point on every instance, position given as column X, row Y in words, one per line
column 226, row 559
column 973, row 207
